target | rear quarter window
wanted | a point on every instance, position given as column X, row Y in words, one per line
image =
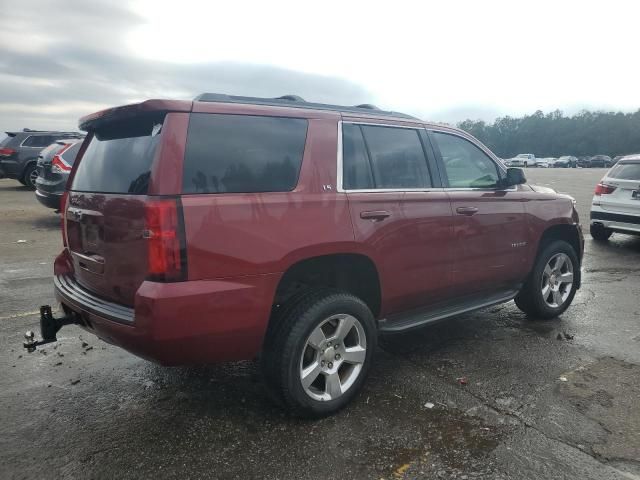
column 243, row 153
column 119, row 158
column 71, row 153
column 38, row 141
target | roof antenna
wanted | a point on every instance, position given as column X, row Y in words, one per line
column 368, row 106
column 291, row 98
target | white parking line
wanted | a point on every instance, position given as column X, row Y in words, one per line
column 19, row 315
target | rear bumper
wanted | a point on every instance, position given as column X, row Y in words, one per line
column 49, row 200
column 618, row 222
column 184, row 323
column 10, row 169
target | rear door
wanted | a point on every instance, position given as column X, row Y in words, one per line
column 105, row 214
column 625, row 177
column 402, row 221
column 489, row 221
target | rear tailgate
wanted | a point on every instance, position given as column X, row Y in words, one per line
column 625, row 177
column 105, row 212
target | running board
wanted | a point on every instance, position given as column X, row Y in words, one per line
column 418, row 318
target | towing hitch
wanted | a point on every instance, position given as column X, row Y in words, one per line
column 49, row 327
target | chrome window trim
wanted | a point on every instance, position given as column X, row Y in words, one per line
column 391, row 190
column 339, row 160
column 469, row 189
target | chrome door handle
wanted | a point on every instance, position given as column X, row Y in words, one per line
column 467, row 210
column 376, row 215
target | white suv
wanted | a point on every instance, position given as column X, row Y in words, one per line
column 523, row 160
column 616, row 203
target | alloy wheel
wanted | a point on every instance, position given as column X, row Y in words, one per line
column 333, row 357
column 557, row 280
column 33, row 176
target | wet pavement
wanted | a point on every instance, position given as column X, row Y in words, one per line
column 487, row 395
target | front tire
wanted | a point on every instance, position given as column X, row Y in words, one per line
column 552, row 284
column 600, row 233
column 319, row 352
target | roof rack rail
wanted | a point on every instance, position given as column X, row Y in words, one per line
column 29, row 130
column 297, row 102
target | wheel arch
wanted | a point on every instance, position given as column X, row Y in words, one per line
column 355, row 273
column 567, row 232
column 27, row 163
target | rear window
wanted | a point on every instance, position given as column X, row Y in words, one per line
column 243, row 153
column 6, row 140
column 119, row 158
column 625, row 171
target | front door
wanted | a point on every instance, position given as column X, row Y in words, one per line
column 489, row 221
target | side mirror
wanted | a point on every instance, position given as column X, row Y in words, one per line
column 515, row 176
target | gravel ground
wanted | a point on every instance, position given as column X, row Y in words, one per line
column 554, row 399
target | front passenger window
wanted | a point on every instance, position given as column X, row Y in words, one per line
column 465, row 164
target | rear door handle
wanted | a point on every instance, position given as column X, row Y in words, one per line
column 467, row 210
column 377, row 215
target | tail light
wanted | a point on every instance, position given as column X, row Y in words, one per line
column 164, row 232
column 604, row 189
column 6, row 152
column 63, row 217
column 58, row 165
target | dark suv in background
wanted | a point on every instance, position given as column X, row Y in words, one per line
column 54, row 166
column 19, row 153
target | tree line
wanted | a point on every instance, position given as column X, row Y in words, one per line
column 554, row 134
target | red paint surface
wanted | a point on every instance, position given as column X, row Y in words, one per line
column 239, row 245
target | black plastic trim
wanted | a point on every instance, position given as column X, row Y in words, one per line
column 616, row 217
column 424, row 316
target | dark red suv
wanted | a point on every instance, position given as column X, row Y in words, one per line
column 231, row 228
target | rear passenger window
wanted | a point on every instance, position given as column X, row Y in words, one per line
column 397, row 157
column 242, row 153
column 355, row 161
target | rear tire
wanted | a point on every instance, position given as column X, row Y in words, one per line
column 600, row 233
column 552, row 284
column 29, row 176
column 318, row 352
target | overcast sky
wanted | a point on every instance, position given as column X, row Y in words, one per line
column 443, row 61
